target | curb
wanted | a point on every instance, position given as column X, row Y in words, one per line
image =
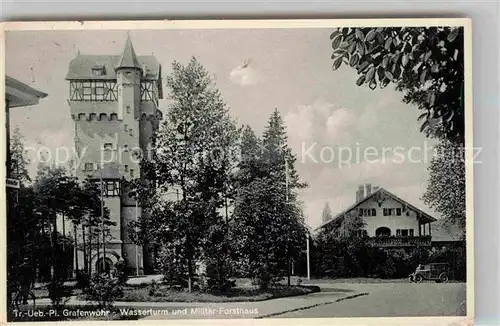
column 312, row 306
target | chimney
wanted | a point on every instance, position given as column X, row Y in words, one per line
column 360, row 194
column 368, row 188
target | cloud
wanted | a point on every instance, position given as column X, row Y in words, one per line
column 320, row 122
column 244, row 76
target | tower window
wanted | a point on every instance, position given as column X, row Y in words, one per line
column 125, row 148
column 108, row 146
column 125, row 127
column 128, row 109
column 125, row 168
column 88, row 167
column 111, row 188
column 132, row 173
column 131, row 133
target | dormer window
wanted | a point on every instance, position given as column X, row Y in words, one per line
column 98, row 70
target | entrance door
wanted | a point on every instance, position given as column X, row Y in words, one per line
column 103, row 265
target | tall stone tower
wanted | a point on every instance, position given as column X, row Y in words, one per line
column 114, row 106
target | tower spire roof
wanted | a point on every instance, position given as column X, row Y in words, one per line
column 128, row 59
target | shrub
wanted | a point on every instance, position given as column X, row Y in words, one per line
column 58, row 293
column 121, row 271
column 103, row 290
column 82, row 280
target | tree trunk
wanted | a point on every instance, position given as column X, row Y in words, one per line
column 76, row 249
column 190, row 263
column 54, row 245
column 289, row 269
column 85, row 262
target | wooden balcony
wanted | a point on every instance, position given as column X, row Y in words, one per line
column 400, row 241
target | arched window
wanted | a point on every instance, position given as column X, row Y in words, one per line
column 383, row 232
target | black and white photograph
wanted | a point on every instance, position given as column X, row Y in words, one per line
column 237, row 170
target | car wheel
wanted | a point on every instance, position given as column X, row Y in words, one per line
column 443, row 278
column 410, row 278
column 418, row 278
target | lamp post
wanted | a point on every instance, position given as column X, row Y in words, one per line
column 103, row 229
column 136, row 246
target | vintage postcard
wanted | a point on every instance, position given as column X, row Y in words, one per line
column 293, row 171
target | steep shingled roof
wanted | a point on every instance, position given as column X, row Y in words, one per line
column 80, row 68
column 128, row 58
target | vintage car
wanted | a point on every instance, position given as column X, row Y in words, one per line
column 435, row 272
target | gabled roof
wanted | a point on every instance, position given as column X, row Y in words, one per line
column 18, row 93
column 424, row 216
column 128, row 58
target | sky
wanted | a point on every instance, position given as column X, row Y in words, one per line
column 327, row 116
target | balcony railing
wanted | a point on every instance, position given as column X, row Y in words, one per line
column 400, row 241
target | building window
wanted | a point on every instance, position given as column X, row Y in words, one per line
column 98, row 71
column 93, row 90
column 125, row 148
column 126, row 168
column 132, row 173
column 398, row 211
column 111, row 188
column 404, row 232
column 390, row 212
column 128, row 109
column 367, row 212
column 88, row 167
column 130, row 132
column 148, row 91
column 108, row 146
column 125, row 127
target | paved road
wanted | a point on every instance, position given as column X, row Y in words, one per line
column 394, row 299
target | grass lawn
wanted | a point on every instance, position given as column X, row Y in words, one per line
column 238, row 294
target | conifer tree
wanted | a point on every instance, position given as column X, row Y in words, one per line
column 193, row 156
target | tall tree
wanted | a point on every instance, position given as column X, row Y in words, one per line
column 280, row 162
column 425, row 63
column 193, row 157
column 22, row 223
column 19, row 161
column 446, row 190
column 326, row 215
column 268, row 224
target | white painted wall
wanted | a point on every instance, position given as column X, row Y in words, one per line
column 392, row 222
